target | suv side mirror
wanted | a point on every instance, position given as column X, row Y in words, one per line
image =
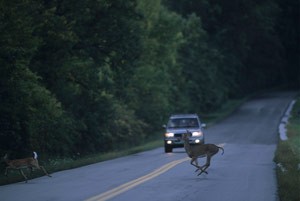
column 203, row 125
column 164, row 126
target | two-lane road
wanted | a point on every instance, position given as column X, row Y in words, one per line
column 245, row 172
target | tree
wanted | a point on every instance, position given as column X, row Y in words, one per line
column 29, row 112
column 153, row 86
column 202, row 68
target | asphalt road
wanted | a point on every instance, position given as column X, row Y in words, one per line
column 245, row 172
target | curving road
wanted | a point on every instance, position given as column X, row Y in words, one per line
column 245, row 172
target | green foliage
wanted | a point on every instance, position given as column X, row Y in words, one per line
column 202, row 67
column 249, row 35
column 288, row 155
column 288, row 27
column 27, row 108
column 153, row 84
column 83, row 76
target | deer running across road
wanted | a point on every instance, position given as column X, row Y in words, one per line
column 20, row 164
column 199, row 150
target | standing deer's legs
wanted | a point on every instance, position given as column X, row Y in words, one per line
column 31, row 170
column 42, row 167
column 6, row 171
column 22, row 173
column 20, row 170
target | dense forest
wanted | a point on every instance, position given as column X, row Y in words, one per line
column 96, row 75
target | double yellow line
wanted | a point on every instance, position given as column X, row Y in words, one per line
column 129, row 185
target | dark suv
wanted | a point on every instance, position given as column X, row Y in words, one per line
column 179, row 124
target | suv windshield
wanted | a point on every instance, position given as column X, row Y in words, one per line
column 183, row 123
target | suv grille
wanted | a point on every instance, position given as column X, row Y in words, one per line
column 178, row 135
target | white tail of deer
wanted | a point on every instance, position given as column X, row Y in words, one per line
column 20, row 164
column 198, row 150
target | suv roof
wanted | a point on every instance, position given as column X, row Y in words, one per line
column 184, row 116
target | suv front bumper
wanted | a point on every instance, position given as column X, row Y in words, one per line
column 178, row 142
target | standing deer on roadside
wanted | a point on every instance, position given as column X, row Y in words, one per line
column 20, row 164
column 198, row 150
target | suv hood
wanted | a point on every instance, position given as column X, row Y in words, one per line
column 181, row 130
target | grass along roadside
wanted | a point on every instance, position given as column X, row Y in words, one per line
column 287, row 158
column 59, row 164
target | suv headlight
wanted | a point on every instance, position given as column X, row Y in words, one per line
column 169, row 134
column 197, row 134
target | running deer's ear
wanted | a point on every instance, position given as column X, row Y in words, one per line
column 188, row 133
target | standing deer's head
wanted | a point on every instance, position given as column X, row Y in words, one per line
column 5, row 157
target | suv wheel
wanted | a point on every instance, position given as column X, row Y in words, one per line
column 168, row 149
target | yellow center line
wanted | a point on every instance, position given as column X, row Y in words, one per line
column 129, row 185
